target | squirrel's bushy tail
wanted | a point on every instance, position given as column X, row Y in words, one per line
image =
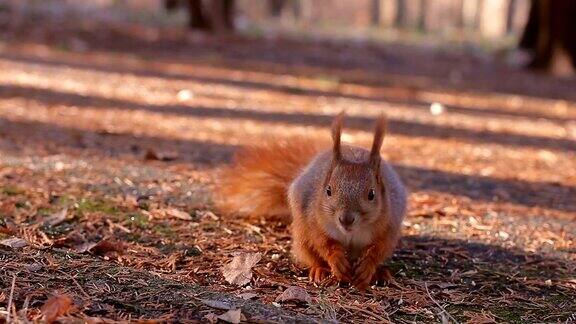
column 256, row 183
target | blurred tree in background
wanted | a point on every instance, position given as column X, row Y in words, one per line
column 490, row 19
column 545, row 29
column 550, row 35
column 217, row 15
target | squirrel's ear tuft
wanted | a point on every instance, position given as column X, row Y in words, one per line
column 379, row 132
column 336, row 134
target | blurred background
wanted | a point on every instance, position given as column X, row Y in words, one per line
column 479, row 22
column 475, row 26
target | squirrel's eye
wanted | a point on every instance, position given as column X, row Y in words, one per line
column 329, row 191
column 371, row 194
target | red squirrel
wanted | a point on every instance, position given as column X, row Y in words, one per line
column 346, row 203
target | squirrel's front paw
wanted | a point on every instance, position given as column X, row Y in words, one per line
column 318, row 274
column 339, row 266
column 364, row 273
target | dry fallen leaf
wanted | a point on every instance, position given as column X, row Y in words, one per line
column 33, row 267
column 207, row 213
column 85, row 247
column 7, row 227
column 56, row 306
column 231, row 316
column 56, row 218
column 6, row 230
column 14, row 242
column 239, row 271
column 294, row 293
column 178, row 214
column 101, row 247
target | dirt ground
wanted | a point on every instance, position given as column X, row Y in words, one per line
column 111, row 138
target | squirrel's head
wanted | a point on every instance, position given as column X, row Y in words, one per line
column 353, row 194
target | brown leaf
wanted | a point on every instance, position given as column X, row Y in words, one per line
column 178, row 214
column 85, row 247
column 14, row 242
column 294, row 293
column 231, row 316
column 56, row 306
column 207, row 213
column 7, row 227
column 239, row 271
column 33, row 267
column 101, row 247
column 56, row 218
column 6, row 230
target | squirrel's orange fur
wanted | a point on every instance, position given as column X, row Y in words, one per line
column 346, row 203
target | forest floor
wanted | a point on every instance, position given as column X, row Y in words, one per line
column 111, row 137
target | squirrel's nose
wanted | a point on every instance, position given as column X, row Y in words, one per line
column 347, row 219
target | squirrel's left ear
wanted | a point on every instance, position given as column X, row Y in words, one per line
column 379, row 132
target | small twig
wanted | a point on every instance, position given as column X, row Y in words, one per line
column 9, row 309
column 443, row 310
column 387, row 316
column 24, row 310
column 14, row 313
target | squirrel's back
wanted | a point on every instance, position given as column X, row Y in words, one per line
column 257, row 181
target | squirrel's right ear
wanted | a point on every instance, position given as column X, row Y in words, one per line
column 379, row 131
column 336, row 134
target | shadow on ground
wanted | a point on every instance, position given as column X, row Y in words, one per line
column 54, row 137
column 401, row 127
column 389, row 93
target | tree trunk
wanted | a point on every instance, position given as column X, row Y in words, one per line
column 219, row 16
column 494, row 18
column 470, row 14
column 222, row 15
column 442, row 16
column 275, row 7
column 388, row 11
column 196, row 19
column 410, row 14
column 550, row 34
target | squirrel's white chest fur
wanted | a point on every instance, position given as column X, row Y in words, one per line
column 354, row 241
